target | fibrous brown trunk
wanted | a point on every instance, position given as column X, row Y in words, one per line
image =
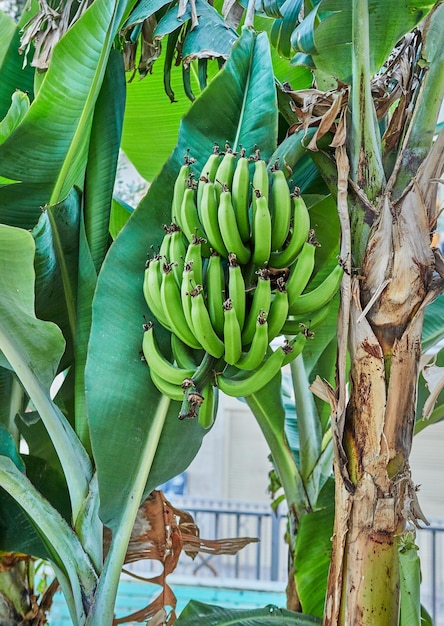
column 381, row 320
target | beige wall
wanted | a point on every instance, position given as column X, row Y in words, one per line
column 427, row 463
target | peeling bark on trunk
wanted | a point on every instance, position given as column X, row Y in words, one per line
column 375, row 495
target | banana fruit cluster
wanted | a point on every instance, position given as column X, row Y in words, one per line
column 230, row 276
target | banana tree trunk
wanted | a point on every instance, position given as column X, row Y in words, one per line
column 381, row 320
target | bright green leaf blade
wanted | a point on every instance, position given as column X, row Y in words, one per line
column 14, row 75
column 16, row 112
column 313, row 552
column 43, row 151
column 40, row 343
column 33, row 348
column 103, row 154
column 210, row 615
column 120, row 214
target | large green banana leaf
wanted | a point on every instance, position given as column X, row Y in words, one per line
column 238, row 106
column 210, row 615
column 137, row 440
column 325, row 34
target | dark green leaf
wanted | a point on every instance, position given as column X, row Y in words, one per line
column 313, row 552
column 210, row 615
column 326, row 33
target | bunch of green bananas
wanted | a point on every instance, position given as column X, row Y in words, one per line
column 230, row 276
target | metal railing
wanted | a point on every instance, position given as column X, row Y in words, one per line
column 266, row 561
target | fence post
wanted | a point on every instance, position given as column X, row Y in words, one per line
column 275, row 543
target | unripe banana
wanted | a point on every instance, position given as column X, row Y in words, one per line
column 280, row 204
column 170, row 298
column 215, row 293
column 236, row 288
column 260, row 304
column 278, row 310
column 261, row 230
column 208, row 173
column 300, row 272
column 240, row 194
column 151, row 290
column 174, row 392
column 193, row 258
column 225, row 171
column 306, row 323
column 229, row 230
column 321, row 295
column 260, row 179
column 210, row 220
column 158, row 363
column 179, row 189
column 191, row 225
column 207, row 409
column 202, row 326
column 251, row 359
column 246, row 385
column 298, row 236
column 185, row 357
column 232, row 334
column 164, row 250
column 177, row 252
column 186, row 287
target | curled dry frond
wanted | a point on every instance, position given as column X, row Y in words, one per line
column 48, row 26
column 396, row 82
column 161, row 532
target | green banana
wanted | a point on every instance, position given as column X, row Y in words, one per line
column 164, row 250
column 186, row 287
column 215, row 293
column 210, row 220
column 261, row 230
column 278, row 310
column 300, row 272
column 321, row 295
column 240, row 193
column 280, row 203
column 160, row 364
column 191, row 225
column 236, row 288
column 251, row 359
column 177, row 252
column 298, row 236
column 185, row 357
column 306, row 323
column 179, row 189
column 232, row 334
column 202, row 326
column 193, row 258
column 174, row 392
column 225, row 171
column 170, row 298
column 207, row 409
column 260, row 179
column 229, row 230
column 151, row 290
column 246, row 385
column 260, row 304
column 208, row 173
